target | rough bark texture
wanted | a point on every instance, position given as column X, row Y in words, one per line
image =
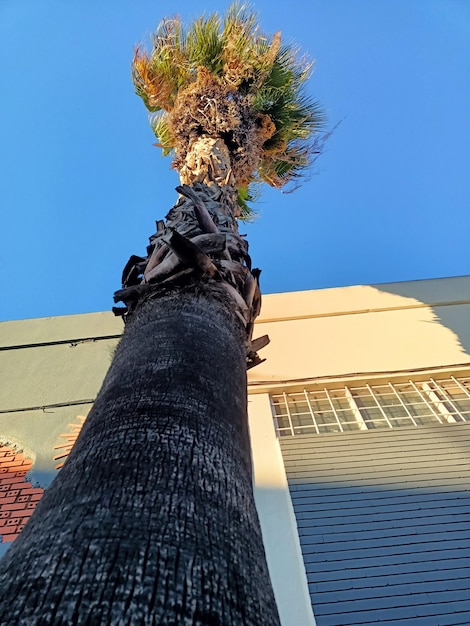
column 152, row 518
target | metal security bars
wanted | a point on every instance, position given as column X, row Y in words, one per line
column 368, row 407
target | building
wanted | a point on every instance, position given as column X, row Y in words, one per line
column 360, row 426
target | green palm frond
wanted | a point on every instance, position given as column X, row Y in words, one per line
column 204, row 45
column 161, row 127
column 296, row 116
column 247, row 195
column 160, row 75
column 168, row 61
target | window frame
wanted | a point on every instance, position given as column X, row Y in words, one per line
column 434, row 393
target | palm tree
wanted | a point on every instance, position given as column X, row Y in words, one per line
column 152, row 518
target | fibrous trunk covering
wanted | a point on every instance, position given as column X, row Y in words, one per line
column 152, row 519
column 199, row 241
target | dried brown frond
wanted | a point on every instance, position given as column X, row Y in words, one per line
column 283, row 163
column 150, row 85
column 271, row 54
column 266, row 127
column 238, row 65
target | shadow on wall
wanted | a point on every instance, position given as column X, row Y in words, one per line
column 448, row 298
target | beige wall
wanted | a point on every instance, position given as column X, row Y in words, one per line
column 328, row 332
column 364, row 329
column 314, row 334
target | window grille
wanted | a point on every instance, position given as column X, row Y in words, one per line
column 369, row 407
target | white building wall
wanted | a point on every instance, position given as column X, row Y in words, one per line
column 277, row 519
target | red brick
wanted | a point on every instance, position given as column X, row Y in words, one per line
column 18, row 512
column 22, row 499
column 12, row 522
column 35, row 498
column 8, row 500
column 17, row 459
column 16, row 483
column 26, row 514
column 12, row 473
column 28, row 488
column 4, row 514
column 4, row 487
column 12, row 493
column 7, row 479
column 14, row 507
column 16, row 467
column 11, row 537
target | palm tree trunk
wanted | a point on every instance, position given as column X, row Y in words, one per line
column 152, row 518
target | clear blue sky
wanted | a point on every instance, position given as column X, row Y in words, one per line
column 81, row 184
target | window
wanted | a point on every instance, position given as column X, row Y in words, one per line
column 369, row 407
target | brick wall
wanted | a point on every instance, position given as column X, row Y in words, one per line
column 18, row 498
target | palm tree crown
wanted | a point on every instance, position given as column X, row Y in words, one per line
column 224, row 79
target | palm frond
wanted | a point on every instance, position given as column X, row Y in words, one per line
column 161, row 127
column 296, row 116
column 225, row 78
column 158, row 76
column 204, row 45
column 247, row 194
column 168, row 60
column 248, row 54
